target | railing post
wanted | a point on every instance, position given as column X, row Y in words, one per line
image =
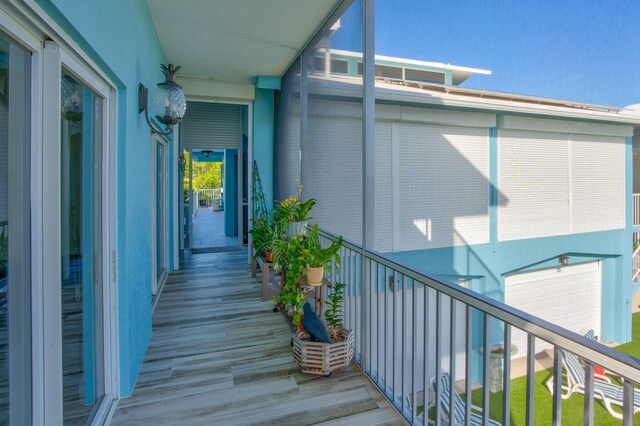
column 588, row 394
column 557, row 386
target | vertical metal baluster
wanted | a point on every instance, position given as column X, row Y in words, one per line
column 378, row 337
column 394, row 339
column 485, row 370
column 427, row 333
column 506, row 384
column 557, row 386
column 438, row 380
column 347, row 295
column 386, row 343
column 588, row 394
column 467, row 379
column 372, row 290
column 360, row 306
column 346, row 270
column 531, row 353
column 414, row 349
column 367, row 313
column 452, row 355
column 358, row 284
column 404, row 340
column 627, row 404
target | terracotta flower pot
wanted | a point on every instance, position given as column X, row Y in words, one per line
column 314, row 276
column 268, row 254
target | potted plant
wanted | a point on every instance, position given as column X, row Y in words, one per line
column 265, row 233
column 294, row 215
column 320, row 258
column 334, row 312
column 317, row 357
column 291, row 256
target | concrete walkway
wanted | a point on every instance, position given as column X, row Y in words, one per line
column 208, row 229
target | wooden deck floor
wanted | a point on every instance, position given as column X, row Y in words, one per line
column 220, row 356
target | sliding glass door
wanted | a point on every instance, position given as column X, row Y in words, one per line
column 15, row 324
column 81, row 249
column 159, row 213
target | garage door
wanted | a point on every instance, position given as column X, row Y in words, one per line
column 568, row 297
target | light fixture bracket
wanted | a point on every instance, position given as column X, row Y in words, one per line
column 563, row 260
column 143, row 99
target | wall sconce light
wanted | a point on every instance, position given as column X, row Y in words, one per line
column 207, row 153
column 168, row 103
column 71, row 99
column 563, row 260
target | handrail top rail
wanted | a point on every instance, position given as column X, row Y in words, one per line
column 592, row 351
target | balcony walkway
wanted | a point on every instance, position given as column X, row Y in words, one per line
column 218, row 355
column 208, row 230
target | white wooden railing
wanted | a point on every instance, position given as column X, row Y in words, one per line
column 208, row 195
column 194, row 203
column 636, row 209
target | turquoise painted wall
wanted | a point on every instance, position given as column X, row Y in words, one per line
column 263, row 142
column 120, row 37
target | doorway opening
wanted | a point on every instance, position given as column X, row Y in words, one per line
column 211, row 178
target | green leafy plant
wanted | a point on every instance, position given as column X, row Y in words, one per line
column 334, row 311
column 294, row 210
column 319, row 256
column 292, row 257
column 265, row 233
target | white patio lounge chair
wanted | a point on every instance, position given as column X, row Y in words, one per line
column 610, row 393
column 458, row 404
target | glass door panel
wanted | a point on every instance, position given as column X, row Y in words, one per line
column 15, row 326
column 81, row 248
column 161, row 207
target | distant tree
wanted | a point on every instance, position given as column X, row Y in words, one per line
column 206, row 175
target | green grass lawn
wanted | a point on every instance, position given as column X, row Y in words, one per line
column 572, row 408
column 633, row 347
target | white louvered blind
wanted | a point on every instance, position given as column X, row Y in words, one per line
column 332, row 166
column 287, row 137
column 598, row 183
column 383, row 215
column 533, row 184
column 442, row 186
column 212, row 125
column 558, row 183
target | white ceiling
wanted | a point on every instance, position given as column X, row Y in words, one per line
column 235, row 40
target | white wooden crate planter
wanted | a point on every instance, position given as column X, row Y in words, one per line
column 322, row 358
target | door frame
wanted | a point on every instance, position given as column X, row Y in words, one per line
column 55, row 59
column 158, row 283
column 239, row 204
column 27, row 23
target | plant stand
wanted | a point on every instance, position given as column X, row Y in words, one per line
column 269, row 275
column 322, row 358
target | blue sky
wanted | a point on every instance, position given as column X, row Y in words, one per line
column 580, row 50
